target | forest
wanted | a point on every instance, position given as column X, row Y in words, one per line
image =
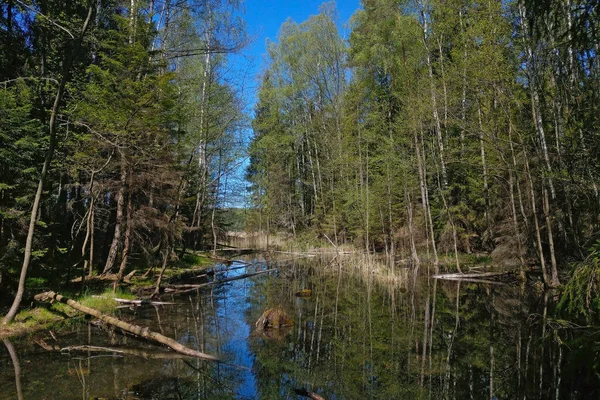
column 403, row 203
column 120, row 123
column 438, row 128
column 432, row 130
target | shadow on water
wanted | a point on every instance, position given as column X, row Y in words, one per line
column 356, row 336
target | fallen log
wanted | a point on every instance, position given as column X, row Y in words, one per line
column 201, row 285
column 475, row 275
column 473, row 280
column 142, row 302
column 131, row 328
column 476, row 278
column 310, row 395
column 163, row 355
column 127, row 278
column 295, row 253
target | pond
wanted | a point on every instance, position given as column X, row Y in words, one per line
column 360, row 334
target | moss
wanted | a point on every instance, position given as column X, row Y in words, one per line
column 475, row 259
column 194, row 260
column 105, row 302
column 36, row 282
column 46, row 315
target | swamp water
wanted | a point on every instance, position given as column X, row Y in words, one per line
column 358, row 336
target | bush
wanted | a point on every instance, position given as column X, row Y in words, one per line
column 581, row 295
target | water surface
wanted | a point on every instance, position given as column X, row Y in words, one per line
column 359, row 335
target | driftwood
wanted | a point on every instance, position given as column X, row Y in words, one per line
column 295, row 253
column 142, row 302
column 127, row 278
column 122, row 351
column 310, row 395
column 159, row 355
column 477, row 277
column 131, row 328
column 186, row 287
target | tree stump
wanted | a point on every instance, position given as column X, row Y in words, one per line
column 273, row 318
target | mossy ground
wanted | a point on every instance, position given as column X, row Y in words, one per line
column 47, row 315
column 102, row 299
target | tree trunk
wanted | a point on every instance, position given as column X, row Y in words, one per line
column 114, row 246
column 436, row 117
column 66, row 74
column 91, row 259
column 486, row 189
column 534, row 91
column 538, row 234
column 129, row 224
column 411, row 231
column 162, row 272
column 131, row 328
column 436, row 261
column 546, row 207
column 17, row 367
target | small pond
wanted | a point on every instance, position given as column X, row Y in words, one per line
column 359, row 335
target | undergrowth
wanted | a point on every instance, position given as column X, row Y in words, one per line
column 581, row 296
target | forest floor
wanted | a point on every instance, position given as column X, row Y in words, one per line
column 100, row 296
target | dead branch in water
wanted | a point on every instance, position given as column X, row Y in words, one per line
column 142, row 302
column 159, row 355
column 476, row 278
column 310, row 395
column 187, row 287
column 131, row 328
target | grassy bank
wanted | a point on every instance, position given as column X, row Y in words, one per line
column 54, row 315
column 46, row 316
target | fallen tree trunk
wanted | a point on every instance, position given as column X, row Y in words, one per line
column 201, row 285
column 477, row 278
column 142, row 302
column 163, row 355
column 310, row 395
column 131, row 328
column 475, row 275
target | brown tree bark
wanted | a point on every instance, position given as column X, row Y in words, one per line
column 114, row 246
column 129, row 224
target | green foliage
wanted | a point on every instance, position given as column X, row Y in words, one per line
column 453, row 115
column 581, row 295
column 127, row 130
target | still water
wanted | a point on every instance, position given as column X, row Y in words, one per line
column 360, row 335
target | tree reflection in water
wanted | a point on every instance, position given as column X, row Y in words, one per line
column 362, row 333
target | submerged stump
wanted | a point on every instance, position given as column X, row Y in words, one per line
column 273, row 318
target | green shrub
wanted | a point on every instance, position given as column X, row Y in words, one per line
column 581, row 294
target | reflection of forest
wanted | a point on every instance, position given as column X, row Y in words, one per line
column 195, row 321
column 360, row 335
column 359, row 338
